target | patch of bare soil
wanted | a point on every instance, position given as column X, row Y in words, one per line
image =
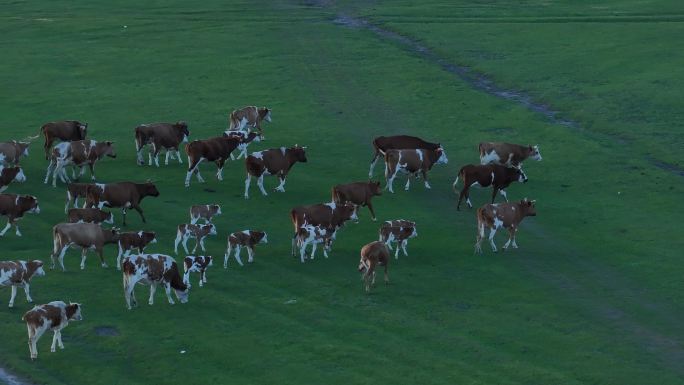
column 9, row 379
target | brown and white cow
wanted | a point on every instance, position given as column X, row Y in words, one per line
column 125, row 195
column 78, row 153
column 134, row 240
column 245, row 139
column 197, row 264
column 398, row 231
column 87, row 236
column 90, row 215
column 192, row 231
column 507, row 154
column 153, row 270
column 502, row 215
column 373, row 255
column 398, row 142
column 54, row 316
column 327, row 215
column 250, row 117
column 75, row 191
column 358, row 193
column 66, row 131
column 161, row 136
column 19, row 274
column 204, row 212
column 215, row 150
column 14, row 207
column 240, row 239
column 9, row 175
column 12, row 151
column 309, row 234
column 485, row 175
column 411, row 162
column 274, row 161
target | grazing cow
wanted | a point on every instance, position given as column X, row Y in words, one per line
column 197, row 264
column 75, row 191
column 399, row 231
column 359, row 193
column 314, row 235
column 78, row 153
column 90, row 215
column 249, row 117
column 215, row 150
column 19, row 274
column 153, row 270
column 167, row 136
column 53, row 316
column 274, row 161
column 66, row 131
column 196, row 232
column 326, row 215
column 204, row 212
column 498, row 215
column 11, row 152
column 9, row 175
column 399, row 142
column 14, row 207
column 123, row 194
column 87, row 236
column 485, row 175
column 245, row 139
column 134, row 240
column 372, row 255
column 240, row 239
column 411, row 162
column 507, row 154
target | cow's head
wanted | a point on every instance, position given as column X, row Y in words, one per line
column 527, row 207
column 414, row 232
column 111, row 235
column 260, row 236
column 151, row 189
column 215, row 209
column 109, row 218
column 182, row 294
column 441, row 155
column 29, row 203
column 347, row 212
column 22, row 148
column 209, row 229
column 183, row 127
column 109, row 149
column 534, row 152
column 73, row 312
column 81, row 130
column 299, row 153
column 37, row 266
column 149, row 237
column 375, row 188
column 13, row 173
column 265, row 114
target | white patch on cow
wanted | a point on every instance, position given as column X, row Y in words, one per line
column 492, row 182
column 2, row 158
column 492, row 157
column 442, row 157
column 20, row 176
column 497, row 223
column 536, row 156
column 101, row 186
column 282, row 150
column 258, row 155
column 246, row 232
column 420, row 155
column 332, row 205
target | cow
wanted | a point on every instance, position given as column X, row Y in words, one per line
column 204, row 212
column 78, row 153
column 507, row 154
column 54, row 316
column 373, row 255
column 9, row 175
column 75, row 191
column 398, row 142
column 485, row 175
column 153, row 270
column 19, row 274
column 65, row 131
column 12, row 151
column 506, row 215
column 90, row 215
column 399, row 231
column 196, row 232
column 167, row 136
column 134, row 240
column 240, row 239
column 215, row 150
column 245, row 139
column 411, row 162
column 14, row 207
column 274, row 161
column 197, row 264
column 358, row 193
column 87, row 236
column 314, row 235
column 122, row 194
column 249, row 117
column 327, row 215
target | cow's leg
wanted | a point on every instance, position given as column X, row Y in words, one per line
column 201, row 242
column 102, row 261
column 302, row 252
column 166, row 161
column 16, row 228
column 372, row 164
column 396, row 253
column 47, row 172
column 153, row 288
column 59, row 339
column 180, row 159
column 128, row 291
column 237, row 255
column 404, row 243
column 370, row 208
column 186, row 237
column 465, row 193
column 192, row 165
column 53, row 347
column 83, row 258
column 179, row 237
column 118, row 257
column 503, row 193
column 408, row 182
column 494, row 192
column 167, row 288
column 260, row 183
column 149, row 156
column 229, row 249
column 140, row 212
column 492, row 232
column 197, row 242
column 123, row 211
column 12, row 296
column 281, row 186
column 203, row 277
column 386, row 275
column 91, row 166
column 425, row 178
column 248, row 180
column 27, row 291
column 9, row 226
column 250, row 254
column 219, row 172
column 313, row 249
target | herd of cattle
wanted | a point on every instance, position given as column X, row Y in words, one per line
column 500, row 165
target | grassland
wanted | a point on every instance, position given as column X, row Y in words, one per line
column 592, row 296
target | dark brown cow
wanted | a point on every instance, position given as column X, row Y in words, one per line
column 167, row 136
column 9, row 175
column 66, row 131
column 19, row 274
column 190, row 231
column 250, row 117
column 134, row 240
column 123, row 194
column 411, row 162
column 358, row 193
column 197, row 264
column 398, row 231
column 153, row 270
column 398, row 142
column 495, row 175
column 75, row 191
column 373, row 255
column 204, row 212
column 78, row 153
column 14, row 207
column 506, row 215
column 11, row 152
column 240, row 239
column 53, row 316
column 215, row 150
column 90, row 215
column 274, row 161
column 330, row 216
column 84, row 235
column 507, row 154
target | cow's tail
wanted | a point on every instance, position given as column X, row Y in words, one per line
column 377, row 148
column 138, row 140
column 459, row 175
column 335, row 195
column 56, row 241
column 480, row 224
column 481, row 147
column 232, row 121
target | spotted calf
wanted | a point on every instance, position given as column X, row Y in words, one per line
column 19, row 274
column 197, row 232
column 197, row 264
column 240, row 239
column 53, row 316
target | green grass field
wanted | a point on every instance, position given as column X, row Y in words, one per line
column 593, row 295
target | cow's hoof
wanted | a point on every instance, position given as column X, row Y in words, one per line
column 12, row 305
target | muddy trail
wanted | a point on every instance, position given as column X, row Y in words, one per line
column 6, row 378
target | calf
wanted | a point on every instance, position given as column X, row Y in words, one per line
column 9, row 175
column 67, row 130
column 75, row 191
column 398, row 142
column 197, row 264
column 153, row 270
column 507, row 154
column 53, row 316
column 327, row 215
column 245, row 139
column 359, row 193
column 399, row 231
column 495, row 175
column 11, row 152
column 197, row 232
column 84, row 235
column 314, row 235
column 78, row 154
column 90, row 215
column 240, row 239
column 167, row 136
column 274, row 161
column 123, row 194
column 411, row 162
column 215, row 150
column 204, row 212
column 14, row 207
column 250, row 117
column 134, row 240
column 19, row 274
column 372, row 255
column 506, row 215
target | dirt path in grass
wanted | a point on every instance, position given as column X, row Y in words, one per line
column 9, row 379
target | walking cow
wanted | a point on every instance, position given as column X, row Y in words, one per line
column 495, row 175
column 250, row 117
column 153, row 270
column 161, row 136
column 358, row 193
column 411, row 162
column 14, row 207
column 274, row 161
column 507, row 154
column 123, row 194
column 9, row 175
column 506, row 215
column 87, row 236
column 373, row 255
column 134, row 240
column 66, row 131
column 216, row 150
column 398, row 142
column 53, row 316
column 19, row 274
column 240, row 239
